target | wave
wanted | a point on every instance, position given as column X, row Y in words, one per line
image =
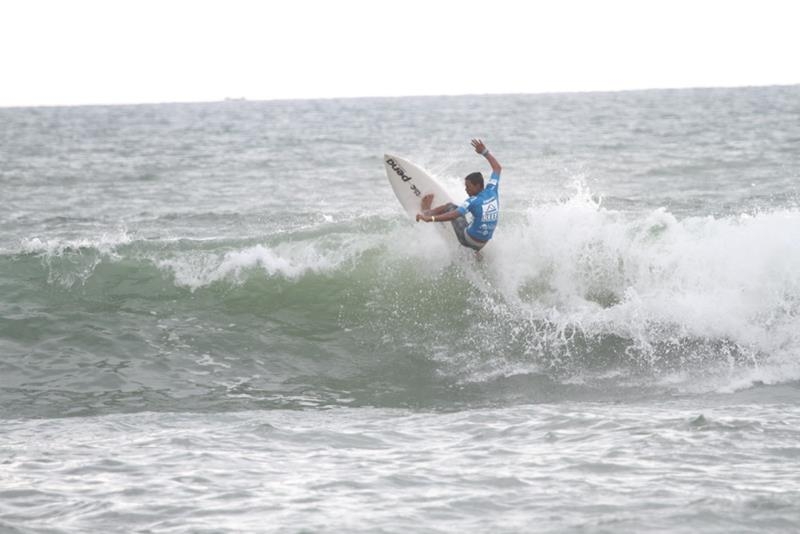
column 568, row 290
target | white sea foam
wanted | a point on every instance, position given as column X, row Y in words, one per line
column 105, row 243
column 713, row 276
column 290, row 260
column 70, row 261
column 654, row 279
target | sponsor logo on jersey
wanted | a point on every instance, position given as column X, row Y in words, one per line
column 491, row 210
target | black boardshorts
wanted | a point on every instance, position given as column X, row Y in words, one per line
column 460, row 228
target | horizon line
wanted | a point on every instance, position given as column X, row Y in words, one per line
column 374, row 97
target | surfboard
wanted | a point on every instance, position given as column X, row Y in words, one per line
column 411, row 182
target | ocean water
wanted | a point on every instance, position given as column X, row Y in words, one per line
column 217, row 318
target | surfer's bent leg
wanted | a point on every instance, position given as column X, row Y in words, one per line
column 460, row 228
column 427, row 200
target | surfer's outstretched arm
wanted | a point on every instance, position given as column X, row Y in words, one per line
column 481, row 149
column 447, row 214
column 428, row 212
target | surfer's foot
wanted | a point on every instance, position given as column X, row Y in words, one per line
column 427, row 200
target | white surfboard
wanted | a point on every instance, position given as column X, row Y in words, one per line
column 410, row 183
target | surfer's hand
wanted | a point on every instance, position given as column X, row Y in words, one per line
column 420, row 217
column 478, row 145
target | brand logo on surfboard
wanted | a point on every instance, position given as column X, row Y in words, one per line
column 401, row 172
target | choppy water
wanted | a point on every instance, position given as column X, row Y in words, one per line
column 215, row 317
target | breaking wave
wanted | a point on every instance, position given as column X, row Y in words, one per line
column 569, row 292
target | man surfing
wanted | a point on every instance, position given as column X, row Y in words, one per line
column 483, row 203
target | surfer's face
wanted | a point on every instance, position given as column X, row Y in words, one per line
column 471, row 189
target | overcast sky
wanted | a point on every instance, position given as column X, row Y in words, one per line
column 119, row 51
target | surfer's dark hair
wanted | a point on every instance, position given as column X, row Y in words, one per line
column 475, row 178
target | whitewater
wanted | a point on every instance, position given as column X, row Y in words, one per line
column 216, row 317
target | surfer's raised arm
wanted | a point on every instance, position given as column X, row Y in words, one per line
column 481, row 149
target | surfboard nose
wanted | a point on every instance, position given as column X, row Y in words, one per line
column 411, row 183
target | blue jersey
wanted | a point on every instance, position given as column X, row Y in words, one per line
column 485, row 209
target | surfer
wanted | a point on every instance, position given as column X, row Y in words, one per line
column 483, row 203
